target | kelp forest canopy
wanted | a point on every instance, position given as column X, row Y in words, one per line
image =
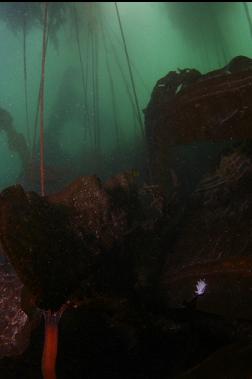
column 76, row 78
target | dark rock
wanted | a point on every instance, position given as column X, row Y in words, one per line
column 129, row 262
column 86, row 237
column 227, row 292
column 214, row 243
column 232, row 362
column 14, row 325
column 208, row 113
column 41, row 245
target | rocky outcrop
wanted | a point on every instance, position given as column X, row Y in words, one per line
column 14, row 326
column 130, row 267
column 89, row 236
column 203, row 112
column 214, row 242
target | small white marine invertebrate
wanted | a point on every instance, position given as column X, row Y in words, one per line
column 201, row 287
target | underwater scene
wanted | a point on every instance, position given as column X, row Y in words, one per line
column 125, row 190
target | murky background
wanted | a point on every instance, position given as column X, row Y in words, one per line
column 92, row 125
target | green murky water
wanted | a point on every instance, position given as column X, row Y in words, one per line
column 87, row 123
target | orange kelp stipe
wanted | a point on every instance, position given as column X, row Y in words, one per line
column 50, row 347
column 50, row 350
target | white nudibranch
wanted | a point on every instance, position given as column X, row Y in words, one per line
column 201, row 287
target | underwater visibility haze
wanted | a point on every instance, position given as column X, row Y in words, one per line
column 125, row 190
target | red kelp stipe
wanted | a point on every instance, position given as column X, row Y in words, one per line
column 50, row 350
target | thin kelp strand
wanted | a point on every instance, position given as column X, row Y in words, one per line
column 42, row 160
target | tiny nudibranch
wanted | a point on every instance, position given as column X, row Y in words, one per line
column 201, row 287
column 51, row 342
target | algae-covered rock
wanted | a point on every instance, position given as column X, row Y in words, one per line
column 41, row 245
column 14, row 324
column 90, row 236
